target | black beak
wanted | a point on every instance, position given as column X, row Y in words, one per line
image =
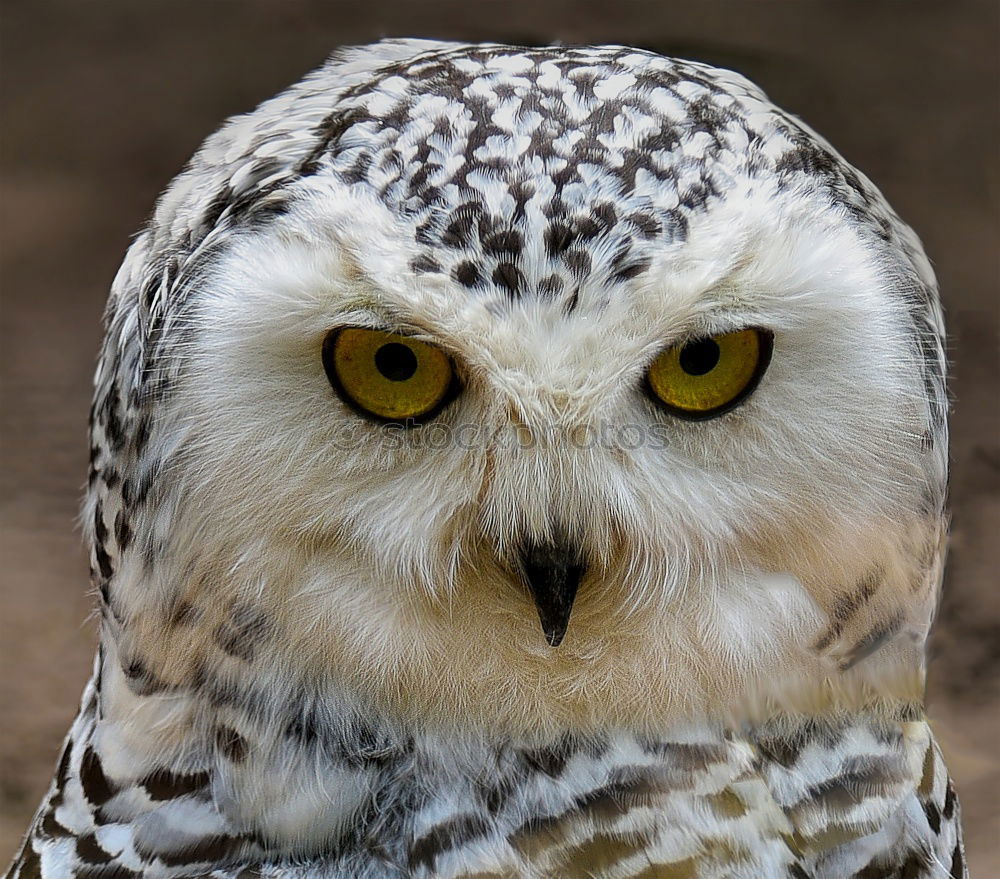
column 553, row 573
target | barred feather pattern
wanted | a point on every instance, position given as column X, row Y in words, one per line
column 863, row 797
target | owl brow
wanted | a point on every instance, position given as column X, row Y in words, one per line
column 713, row 320
column 388, row 320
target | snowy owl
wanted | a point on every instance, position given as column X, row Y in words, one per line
column 513, row 462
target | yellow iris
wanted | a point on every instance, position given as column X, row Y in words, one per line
column 392, row 377
column 708, row 376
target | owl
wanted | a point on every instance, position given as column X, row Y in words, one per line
column 513, row 462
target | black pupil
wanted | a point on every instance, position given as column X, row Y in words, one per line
column 396, row 362
column 699, row 357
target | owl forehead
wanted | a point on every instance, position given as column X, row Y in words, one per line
column 488, row 181
column 545, row 172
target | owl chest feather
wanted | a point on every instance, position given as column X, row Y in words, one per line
column 824, row 798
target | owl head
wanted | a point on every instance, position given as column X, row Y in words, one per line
column 521, row 389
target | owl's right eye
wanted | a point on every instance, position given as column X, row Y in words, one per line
column 388, row 376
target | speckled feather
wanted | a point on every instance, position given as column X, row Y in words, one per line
column 839, row 797
column 508, row 176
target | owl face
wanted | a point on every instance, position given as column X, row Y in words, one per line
column 545, row 398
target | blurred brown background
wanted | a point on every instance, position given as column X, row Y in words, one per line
column 104, row 101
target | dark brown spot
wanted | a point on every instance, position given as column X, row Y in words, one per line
column 104, row 562
column 467, row 274
column 240, row 634
column 508, row 276
column 628, row 272
column 210, row 850
column 50, row 826
column 957, row 862
column 62, row 772
column 96, row 787
column 874, row 640
column 849, row 788
column 163, row 784
column 141, row 680
column 89, row 851
column 184, row 613
column 451, row 834
column 505, row 242
column 933, row 817
column 460, row 232
column 332, row 129
column 231, row 744
column 558, row 238
column 495, row 796
column 604, row 214
column 552, row 760
column 106, row 871
column 847, row 605
column 424, row 264
column 949, row 802
column 862, row 593
column 31, row 865
column 123, row 531
column 648, row 226
column 577, row 261
column 550, row 285
column 586, row 228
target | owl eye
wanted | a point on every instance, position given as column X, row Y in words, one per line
column 706, row 377
column 388, row 376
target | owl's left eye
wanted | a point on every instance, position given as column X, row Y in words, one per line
column 708, row 376
column 392, row 377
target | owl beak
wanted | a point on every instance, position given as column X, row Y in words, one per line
column 552, row 573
